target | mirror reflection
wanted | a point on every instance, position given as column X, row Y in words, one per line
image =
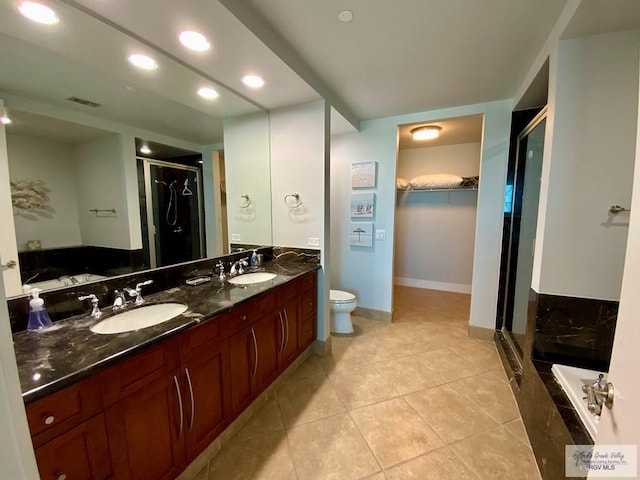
column 86, row 201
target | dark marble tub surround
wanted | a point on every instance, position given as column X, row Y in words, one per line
column 575, row 331
column 63, row 303
column 51, row 263
column 68, row 351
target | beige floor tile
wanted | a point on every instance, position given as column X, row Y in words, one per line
column 312, row 366
column 449, row 365
column 331, row 448
column 442, row 464
column 202, row 474
column 450, row 413
column 265, row 457
column 307, row 400
column 395, row 432
column 490, row 394
column 361, row 386
column 408, row 374
column 266, row 420
column 516, row 428
column 377, row 476
column 495, row 454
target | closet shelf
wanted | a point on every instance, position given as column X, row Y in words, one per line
column 446, row 189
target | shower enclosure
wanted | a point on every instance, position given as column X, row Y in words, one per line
column 520, row 222
column 171, row 212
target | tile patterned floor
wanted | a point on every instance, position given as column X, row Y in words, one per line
column 416, row 399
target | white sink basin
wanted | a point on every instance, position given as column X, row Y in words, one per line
column 138, row 318
column 252, row 278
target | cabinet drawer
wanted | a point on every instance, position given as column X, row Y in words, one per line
column 289, row 290
column 200, row 338
column 143, row 368
column 309, row 280
column 62, row 410
column 267, row 302
column 240, row 317
column 308, row 307
column 307, row 333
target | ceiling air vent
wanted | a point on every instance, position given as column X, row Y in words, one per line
column 82, row 101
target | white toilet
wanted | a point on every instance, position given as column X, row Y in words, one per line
column 342, row 304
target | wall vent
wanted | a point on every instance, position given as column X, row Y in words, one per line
column 82, row 101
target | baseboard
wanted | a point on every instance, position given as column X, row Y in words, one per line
column 431, row 285
column 321, row 348
column 481, row 333
column 372, row 314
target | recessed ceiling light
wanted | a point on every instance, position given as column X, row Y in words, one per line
column 426, row 133
column 145, row 149
column 345, row 16
column 143, row 61
column 253, row 81
column 38, row 13
column 195, row 41
column 208, row 93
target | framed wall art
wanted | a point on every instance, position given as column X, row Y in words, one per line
column 361, row 235
column 363, row 175
column 362, row 205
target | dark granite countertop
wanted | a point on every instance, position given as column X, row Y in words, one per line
column 68, row 351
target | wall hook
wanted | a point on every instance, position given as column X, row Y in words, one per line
column 295, row 203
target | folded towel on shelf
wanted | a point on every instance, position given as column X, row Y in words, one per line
column 435, row 180
column 402, row 184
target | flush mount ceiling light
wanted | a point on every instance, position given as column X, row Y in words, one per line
column 145, row 149
column 208, row 93
column 38, row 13
column 345, row 16
column 253, row 81
column 143, row 61
column 426, row 133
column 194, row 41
column 4, row 118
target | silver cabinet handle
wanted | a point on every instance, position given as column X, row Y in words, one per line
column 49, row 419
column 193, row 411
column 286, row 318
column 255, row 347
column 282, row 330
column 175, row 381
column 9, row 264
column 61, row 476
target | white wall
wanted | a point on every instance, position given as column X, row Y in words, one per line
column 246, row 149
column 434, row 233
column 297, row 166
column 370, row 273
column 101, row 184
column 56, row 225
column 589, row 155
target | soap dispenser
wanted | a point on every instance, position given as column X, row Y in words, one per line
column 38, row 316
column 254, row 259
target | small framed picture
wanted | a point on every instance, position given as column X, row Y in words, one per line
column 362, row 205
column 361, row 235
column 363, row 175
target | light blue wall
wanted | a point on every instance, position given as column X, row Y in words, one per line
column 369, row 272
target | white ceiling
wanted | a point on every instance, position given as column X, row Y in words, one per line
column 467, row 129
column 393, row 58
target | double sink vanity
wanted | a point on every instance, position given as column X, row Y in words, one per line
column 145, row 403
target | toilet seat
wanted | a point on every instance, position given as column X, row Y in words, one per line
column 338, row 296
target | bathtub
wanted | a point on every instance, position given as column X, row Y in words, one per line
column 571, row 379
column 62, row 282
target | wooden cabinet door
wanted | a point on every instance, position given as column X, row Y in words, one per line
column 269, row 334
column 81, row 453
column 291, row 316
column 243, row 357
column 146, row 431
column 208, row 398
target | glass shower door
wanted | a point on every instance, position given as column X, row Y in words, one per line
column 174, row 221
column 522, row 207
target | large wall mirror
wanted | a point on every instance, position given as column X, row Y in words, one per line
column 86, row 201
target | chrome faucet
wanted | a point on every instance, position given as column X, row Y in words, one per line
column 137, row 292
column 237, row 267
column 119, row 301
column 95, row 310
column 220, row 267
